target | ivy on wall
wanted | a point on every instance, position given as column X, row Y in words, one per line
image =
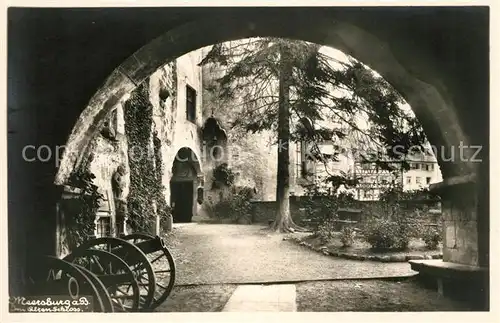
column 80, row 223
column 146, row 188
column 163, row 209
column 223, row 176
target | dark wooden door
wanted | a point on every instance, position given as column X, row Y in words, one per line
column 182, row 200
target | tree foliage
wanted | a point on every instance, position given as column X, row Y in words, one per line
column 273, row 83
column 396, row 194
column 322, row 89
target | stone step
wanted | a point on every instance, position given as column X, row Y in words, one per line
column 262, row 298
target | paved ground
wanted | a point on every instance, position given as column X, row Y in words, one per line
column 222, row 254
column 263, row 298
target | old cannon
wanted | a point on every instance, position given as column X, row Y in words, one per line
column 133, row 273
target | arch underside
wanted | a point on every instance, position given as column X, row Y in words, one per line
column 186, row 164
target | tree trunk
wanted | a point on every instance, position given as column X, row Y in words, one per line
column 283, row 221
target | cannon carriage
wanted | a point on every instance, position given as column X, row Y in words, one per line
column 132, row 273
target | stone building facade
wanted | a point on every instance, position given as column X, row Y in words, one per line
column 175, row 93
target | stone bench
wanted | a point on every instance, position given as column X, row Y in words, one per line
column 455, row 280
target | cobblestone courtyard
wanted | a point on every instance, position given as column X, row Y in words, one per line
column 214, row 260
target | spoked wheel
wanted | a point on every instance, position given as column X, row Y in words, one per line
column 114, row 274
column 162, row 261
column 101, row 289
column 54, row 276
column 136, row 261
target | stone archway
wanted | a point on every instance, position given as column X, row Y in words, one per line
column 186, row 178
column 446, row 84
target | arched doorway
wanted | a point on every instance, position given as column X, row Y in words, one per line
column 185, row 180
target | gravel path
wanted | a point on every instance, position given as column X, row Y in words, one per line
column 217, row 254
column 372, row 296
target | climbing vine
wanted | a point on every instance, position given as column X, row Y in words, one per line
column 80, row 224
column 138, row 122
column 146, row 189
column 163, row 208
column 223, row 176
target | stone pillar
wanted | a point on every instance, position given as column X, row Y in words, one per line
column 157, row 225
column 460, row 219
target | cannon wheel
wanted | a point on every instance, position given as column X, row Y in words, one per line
column 101, row 289
column 54, row 276
column 114, row 274
column 163, row 265
column 134, row 258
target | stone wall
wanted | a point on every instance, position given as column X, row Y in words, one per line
column 177, row 131
column 107, row 156
column 263, row 211
column 460, row 225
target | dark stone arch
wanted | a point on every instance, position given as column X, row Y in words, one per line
column 430, row 102
column 438, row 58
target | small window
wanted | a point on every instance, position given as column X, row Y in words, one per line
column 418, row 180
column 408, row 179
column 190, row 103
column 428, row 180
column 103, row 227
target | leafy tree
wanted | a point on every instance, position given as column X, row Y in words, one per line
column 272, row 83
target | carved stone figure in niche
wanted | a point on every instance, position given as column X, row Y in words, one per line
column 118, row 184
column 109, row 128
